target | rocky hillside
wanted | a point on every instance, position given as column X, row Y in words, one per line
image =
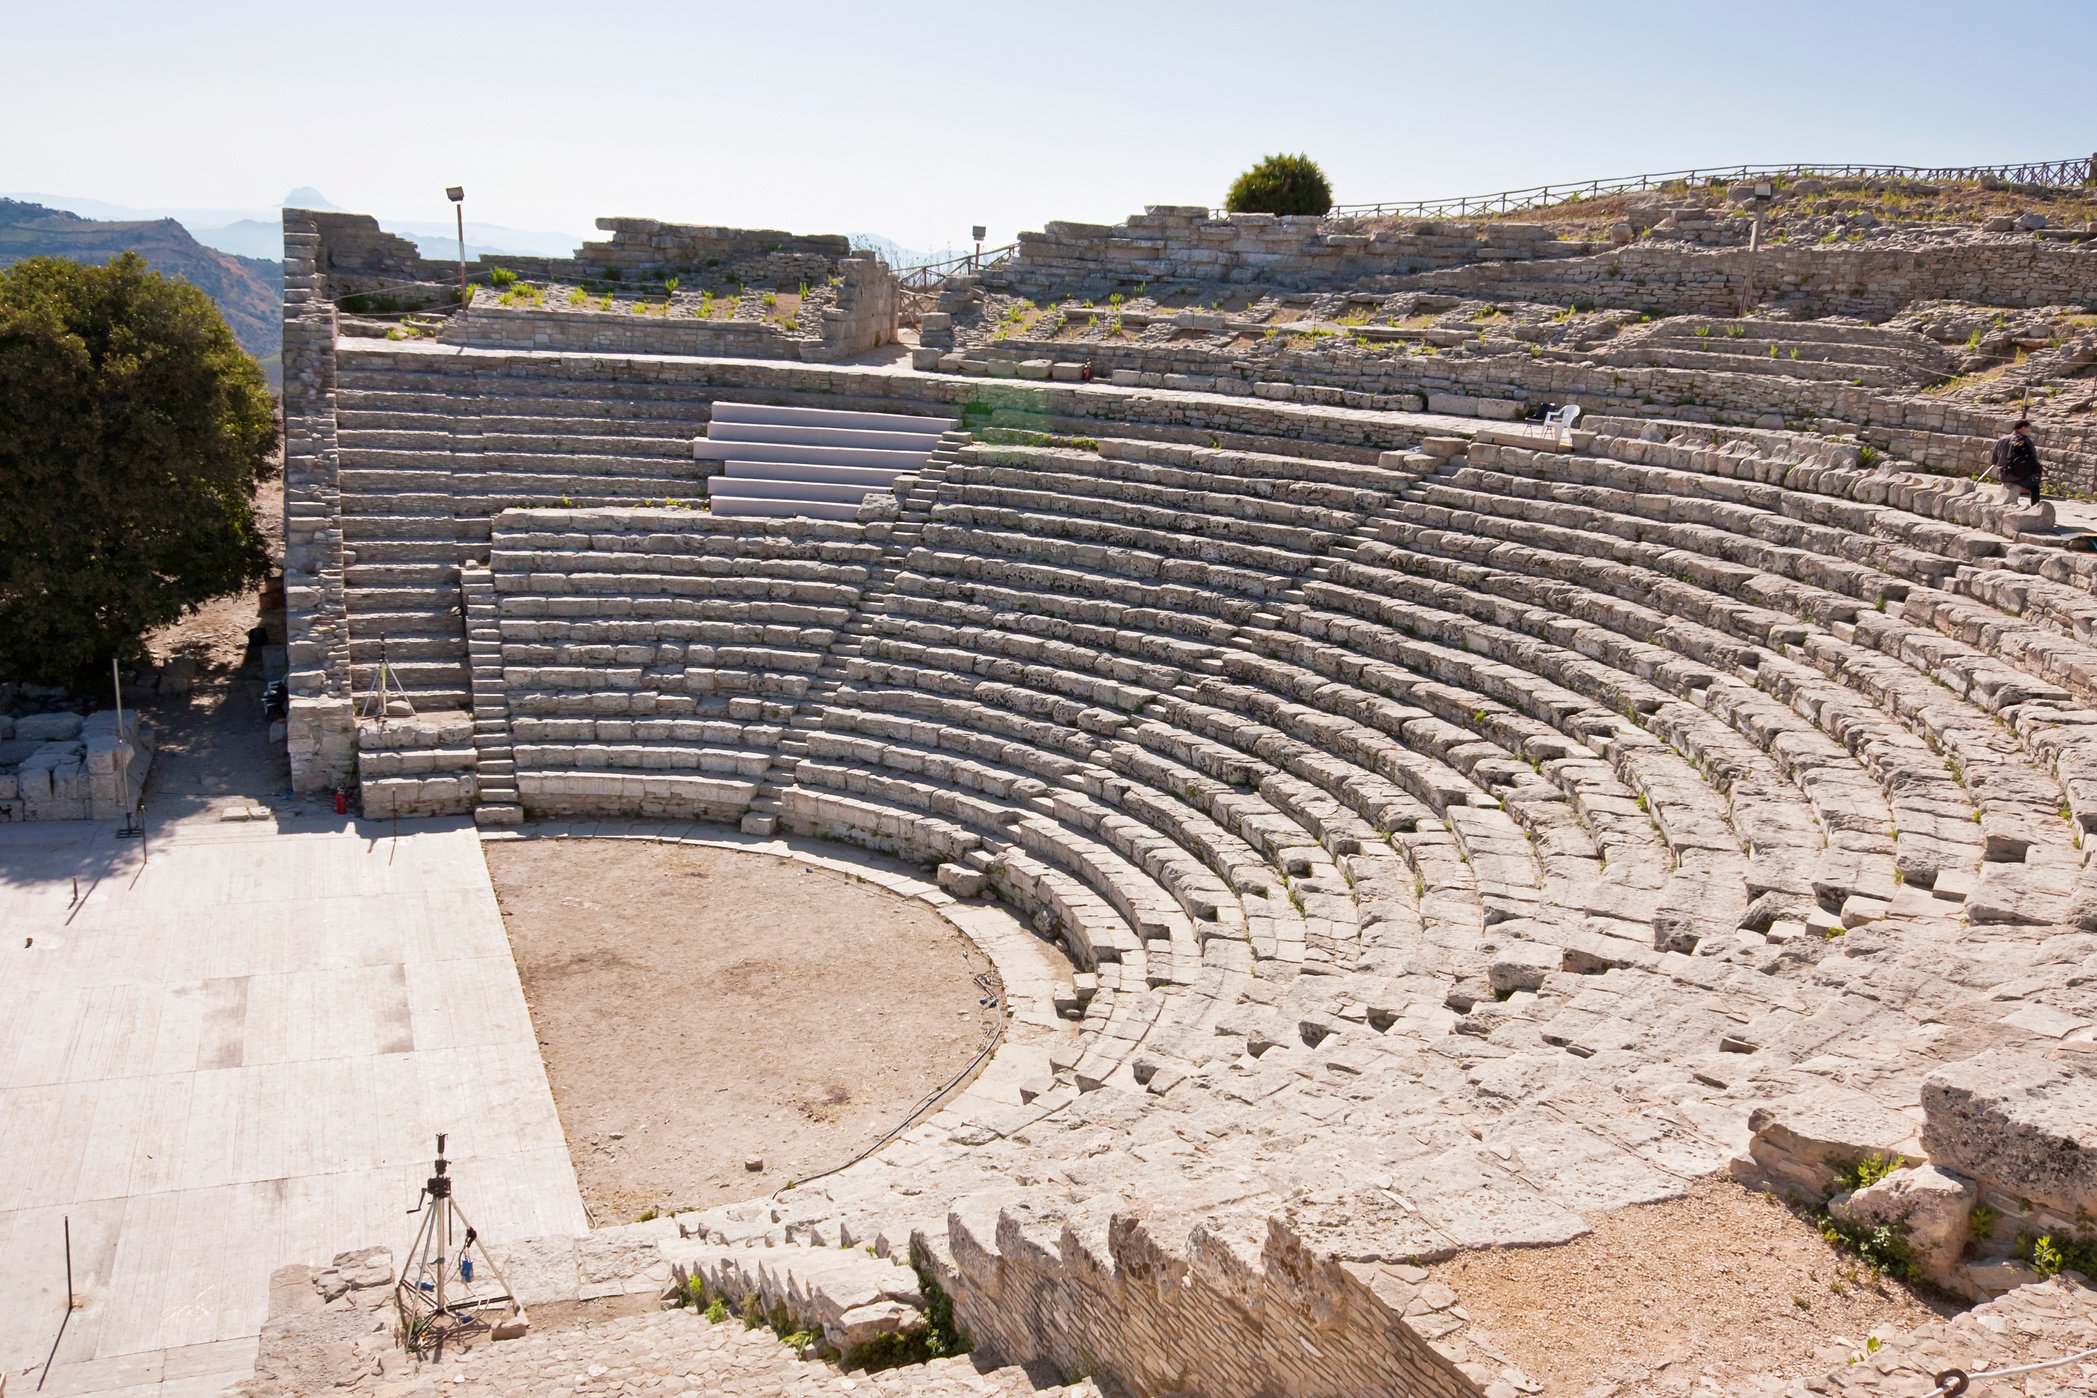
column 248, row 290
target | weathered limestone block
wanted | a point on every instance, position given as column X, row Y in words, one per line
column 2028, row 519
column 48, row 728
column 1523, row 966
column 2019, row 1122
column 1804, row 1138
column 1931, row 1205
column 852, row 1296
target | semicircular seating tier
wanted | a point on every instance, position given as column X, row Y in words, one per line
column 1617, row 766
column 1447, row 845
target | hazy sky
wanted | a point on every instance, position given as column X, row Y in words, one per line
column 915, row 121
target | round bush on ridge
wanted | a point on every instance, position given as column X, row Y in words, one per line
column 1281, row 184
column 133, row 433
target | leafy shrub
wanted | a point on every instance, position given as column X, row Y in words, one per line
column 1281, row 184
column 1859, row 1174
column 2050, row 1255
column 501, row 276
column 133, row 434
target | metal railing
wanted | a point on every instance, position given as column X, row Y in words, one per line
column 2051, row 174
column 927, row 276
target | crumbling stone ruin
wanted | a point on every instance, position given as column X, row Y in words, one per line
column 63, row 766
column 1454, row 827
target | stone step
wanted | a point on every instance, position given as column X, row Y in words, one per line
column 423, row 575
column 504, row 814
column 367, row 442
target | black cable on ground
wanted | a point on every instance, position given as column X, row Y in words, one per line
column 924, row 1104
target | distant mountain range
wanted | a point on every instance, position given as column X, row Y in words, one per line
column 260, row 232
column 249, row 291
column 235, row 256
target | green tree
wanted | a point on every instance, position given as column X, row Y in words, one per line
column 1281, row 184
column 133, row 434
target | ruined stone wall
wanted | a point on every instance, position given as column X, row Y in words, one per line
column 358, row 256
column 1165, row 244
column 1945, row 436
column 59, row 766
column 863, row 317
column 1513, row 261
column 1851, row 280
column 865, row 314
column 611, row 332
column 1216, row 1317
column 320, row 733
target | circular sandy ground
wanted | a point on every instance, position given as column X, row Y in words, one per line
column 698, row 1008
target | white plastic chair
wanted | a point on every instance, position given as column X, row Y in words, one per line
column 1561, row 421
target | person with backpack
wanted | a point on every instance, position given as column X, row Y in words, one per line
column 2016, row 461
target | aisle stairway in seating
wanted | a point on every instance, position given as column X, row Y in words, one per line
column 819, row 463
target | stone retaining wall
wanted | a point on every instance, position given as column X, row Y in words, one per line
column 1166, row 244
column 358, row 256
column 1513, row 261
column 612, row 332
column 321, row 731
column 1949, row 437
column 1852, row 280
column 1220, row 1316
column 863, row 318
column 422, row 766
column 60, row 766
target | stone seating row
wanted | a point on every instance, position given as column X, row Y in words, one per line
column 2060, row 649
column 1014, row 488
column 1179, row 558
column 664, row 794
column 1988, row 683
column 600, row 755
column 742, row 721
column 1205, row 481
column 1475, row 611
column 656, row 623
column 1631, row 639
column 1754, row 359
column 2015, row 810
column 443, row 436
column 1301, row 838
column 1304, row 464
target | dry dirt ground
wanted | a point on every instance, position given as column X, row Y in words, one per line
column 1722, row 1281
column 213, row 743
column 697, row 1008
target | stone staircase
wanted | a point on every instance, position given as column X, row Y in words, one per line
column 431, row 451
column 497, row 767
column 914, row 499
column 817, row 462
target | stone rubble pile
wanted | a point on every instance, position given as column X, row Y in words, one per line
column 63, row 766
column 330, row 1331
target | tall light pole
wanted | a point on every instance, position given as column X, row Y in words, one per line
column 457, row 194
